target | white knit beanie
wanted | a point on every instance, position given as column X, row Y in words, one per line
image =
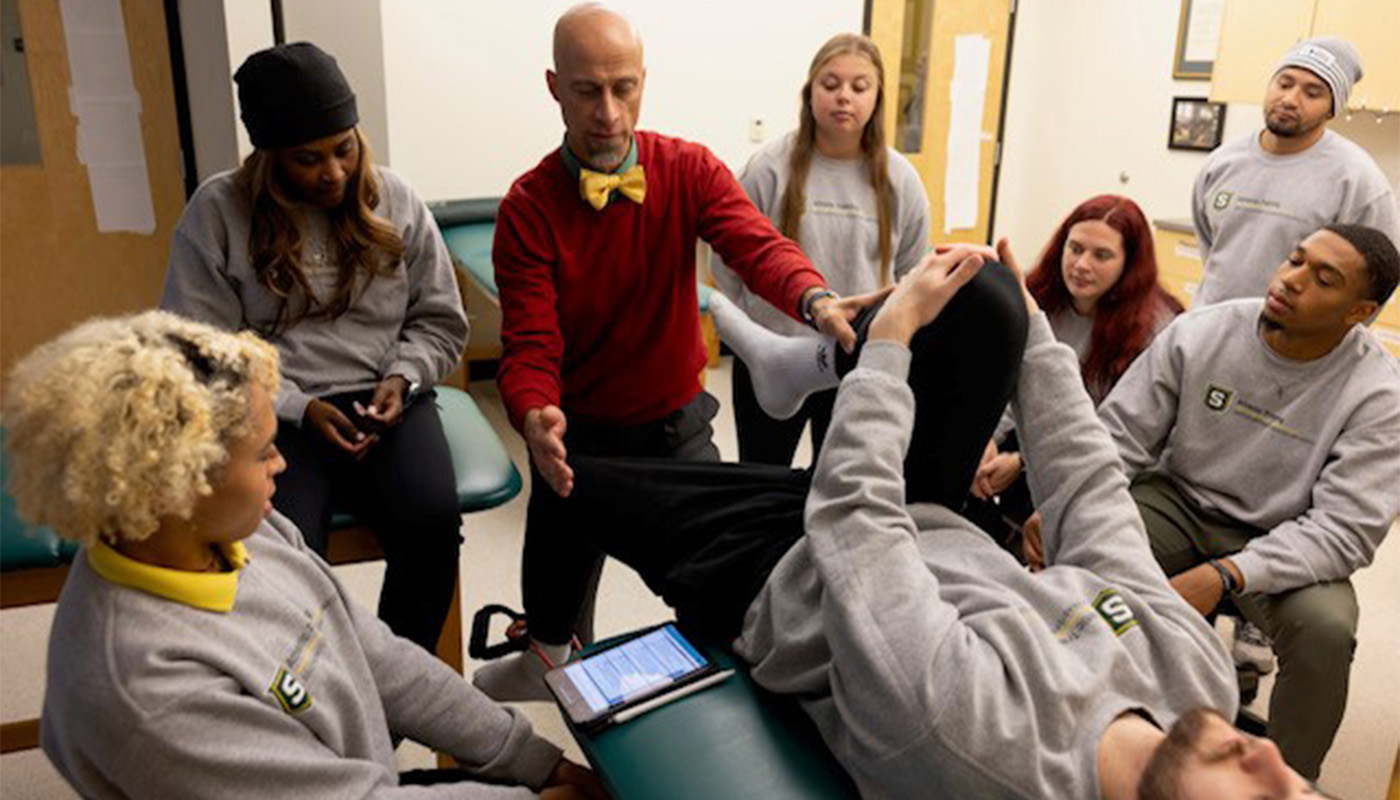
column 1331, row 59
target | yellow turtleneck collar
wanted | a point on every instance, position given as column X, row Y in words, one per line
column 211, row 591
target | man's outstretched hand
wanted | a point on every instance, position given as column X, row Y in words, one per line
column 544, row 434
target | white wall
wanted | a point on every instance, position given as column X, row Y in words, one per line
column 349, row 30
column 204, row 35
column 248, row 24
column 468, row 107
column 1090, row 97
column 219, row 35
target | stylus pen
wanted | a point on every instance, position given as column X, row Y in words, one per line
column 657, row 702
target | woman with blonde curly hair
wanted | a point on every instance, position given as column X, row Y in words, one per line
column 339, row 264
column 199, row 649
column 856, row 207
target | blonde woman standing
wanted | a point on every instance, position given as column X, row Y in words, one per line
column 856, row 207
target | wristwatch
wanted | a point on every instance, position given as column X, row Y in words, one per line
column 811, row 301
column 1226, row 577
column 411, row 388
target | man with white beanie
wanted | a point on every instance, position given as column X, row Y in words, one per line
column 1258, row 197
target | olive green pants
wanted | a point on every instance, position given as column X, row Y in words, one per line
column 1313, row 628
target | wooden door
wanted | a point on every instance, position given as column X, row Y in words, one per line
column 919, row 41
column 56, row 268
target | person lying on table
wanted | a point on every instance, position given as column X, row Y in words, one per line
column 932, row 663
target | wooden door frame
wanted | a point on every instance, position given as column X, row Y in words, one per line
column 892, row 110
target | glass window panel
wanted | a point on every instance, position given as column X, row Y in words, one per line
column 913, row 75
column 19, row 141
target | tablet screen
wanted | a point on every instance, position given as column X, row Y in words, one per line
column 635, row 667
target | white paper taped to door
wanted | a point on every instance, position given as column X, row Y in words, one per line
column 967, row 96
column 103, row 97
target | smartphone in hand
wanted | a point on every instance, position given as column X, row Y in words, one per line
column 367, row 424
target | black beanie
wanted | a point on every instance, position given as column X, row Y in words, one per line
column 292, row 94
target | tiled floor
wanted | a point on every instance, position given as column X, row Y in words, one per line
column 1358, row 766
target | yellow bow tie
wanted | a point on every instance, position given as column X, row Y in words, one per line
column 597, row 186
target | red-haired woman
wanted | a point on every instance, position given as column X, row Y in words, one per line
column 855, row 205
column 1097, row 282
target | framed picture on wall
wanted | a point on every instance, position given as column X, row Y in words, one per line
column 1197, row 38
column 1197, row 124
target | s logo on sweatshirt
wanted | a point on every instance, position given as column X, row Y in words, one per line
column 1115, row 611
column 1218, row 398
column 287, row 690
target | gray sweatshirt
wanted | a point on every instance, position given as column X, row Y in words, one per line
column 931, row 661
column 1308, row 452
column 840, row 230
column 1251, row 208
column 410, row 323
column 149, row 697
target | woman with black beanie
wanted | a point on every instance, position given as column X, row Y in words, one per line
column 338, row 264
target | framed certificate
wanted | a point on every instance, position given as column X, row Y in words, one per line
column 1197, row 37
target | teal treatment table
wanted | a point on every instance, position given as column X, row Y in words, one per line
column 732, row 741
column 468, row 226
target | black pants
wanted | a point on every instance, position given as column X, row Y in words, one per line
column 560, row 570
column 405, row 488
column 764, row 440
column 706, row 536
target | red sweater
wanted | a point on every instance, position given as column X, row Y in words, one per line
column 599, row 309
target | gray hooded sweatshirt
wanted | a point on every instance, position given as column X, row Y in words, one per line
column 931, row 661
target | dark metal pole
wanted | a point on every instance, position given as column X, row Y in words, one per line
column 279, row 25
column 180, row 83
column 1001, row 120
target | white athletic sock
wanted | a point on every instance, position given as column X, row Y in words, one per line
column 520, row 677
column 784, row 369
column 555, row 654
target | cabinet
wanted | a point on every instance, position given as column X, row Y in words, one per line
column 1179, row 266
column 1254, row 34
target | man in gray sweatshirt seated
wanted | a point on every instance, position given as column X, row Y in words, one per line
column 1263, row 438
column 932, row 663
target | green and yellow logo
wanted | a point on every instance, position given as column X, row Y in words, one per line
column 1218, row 398
column 1222, row 200
column 289, row 692
column 1115, row 611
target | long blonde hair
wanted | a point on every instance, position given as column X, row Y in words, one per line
column 363, row 241
column 872, row 145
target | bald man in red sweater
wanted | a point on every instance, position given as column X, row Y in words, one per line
column 595, row 261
